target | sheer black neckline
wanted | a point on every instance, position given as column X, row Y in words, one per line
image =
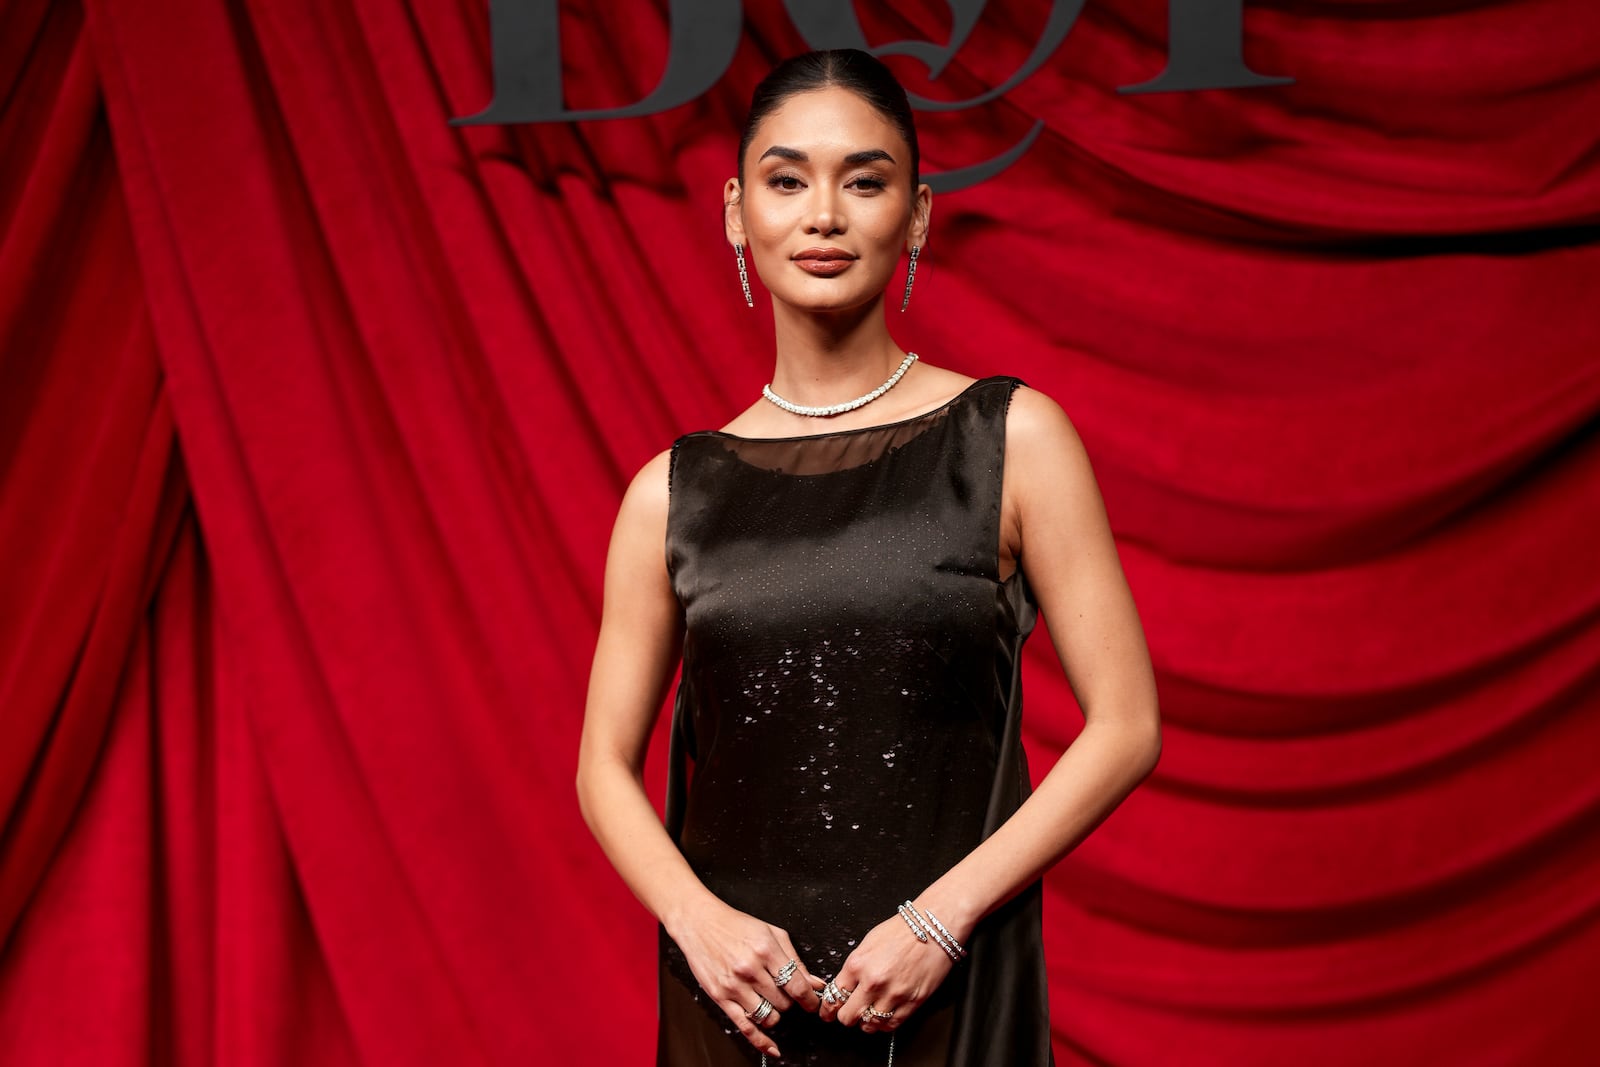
column 970, row 386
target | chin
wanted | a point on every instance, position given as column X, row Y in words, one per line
column 814, row 301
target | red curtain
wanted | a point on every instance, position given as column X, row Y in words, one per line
column 315, row 412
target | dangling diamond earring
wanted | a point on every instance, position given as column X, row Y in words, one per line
column 911, row 273
column 744, row 276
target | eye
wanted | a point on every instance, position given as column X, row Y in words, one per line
column 776, row 180
column 871, row 183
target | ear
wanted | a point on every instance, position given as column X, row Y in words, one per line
column 733, row 212
column 921, row 216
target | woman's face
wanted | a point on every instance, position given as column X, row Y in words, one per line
column 826, row 171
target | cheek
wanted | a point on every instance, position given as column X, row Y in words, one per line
column 768, row 225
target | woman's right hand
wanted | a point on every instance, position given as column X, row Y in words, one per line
column 735, row 957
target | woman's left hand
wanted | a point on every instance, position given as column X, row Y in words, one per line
column 889, row 971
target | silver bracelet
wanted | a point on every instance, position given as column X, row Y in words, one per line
column 949, row 949
column 952, row 937
column 906, row 911
column 941, row 936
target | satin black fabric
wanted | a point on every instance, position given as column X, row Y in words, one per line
column 851, row 707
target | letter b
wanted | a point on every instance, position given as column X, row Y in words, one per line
column 525, row 38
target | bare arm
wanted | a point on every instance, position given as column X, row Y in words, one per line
column 733, row 955
column 1071, row 563
column 640, row 640
column 1059, row 526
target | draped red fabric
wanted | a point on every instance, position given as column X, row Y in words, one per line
column 315, row 411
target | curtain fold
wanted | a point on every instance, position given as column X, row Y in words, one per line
column 315, row 413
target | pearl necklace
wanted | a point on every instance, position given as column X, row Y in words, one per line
column 848, row 405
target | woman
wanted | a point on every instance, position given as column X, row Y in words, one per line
column 848, row 570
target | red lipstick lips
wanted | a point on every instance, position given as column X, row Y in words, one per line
column 823, row 261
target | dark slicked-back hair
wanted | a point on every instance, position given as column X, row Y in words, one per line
column 849, row 68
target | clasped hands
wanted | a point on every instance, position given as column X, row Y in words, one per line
column 737, row 959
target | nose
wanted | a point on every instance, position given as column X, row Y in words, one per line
column 826, row 218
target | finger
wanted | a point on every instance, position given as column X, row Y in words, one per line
column 765, row 986
column 861, row 994
column 765, row 980
column 802, row 986
column 752, row 1033
column 875, row 1017
column 800, row 992
column 848, row 983
column 783, row 994
column 806, row 991
column 830, row 1009
column 779, row 999
column 850, row 1011
column 855, row 1007
column 765, row 1020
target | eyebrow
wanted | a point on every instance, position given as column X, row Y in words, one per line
column 854, row 159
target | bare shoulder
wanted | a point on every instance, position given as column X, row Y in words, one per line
column 650, row 483
column 1045, row 457
column 648, row 494
column 1039, row 428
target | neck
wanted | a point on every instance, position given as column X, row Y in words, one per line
column 831, row 356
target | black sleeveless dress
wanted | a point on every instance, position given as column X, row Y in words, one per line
column 848, row 723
